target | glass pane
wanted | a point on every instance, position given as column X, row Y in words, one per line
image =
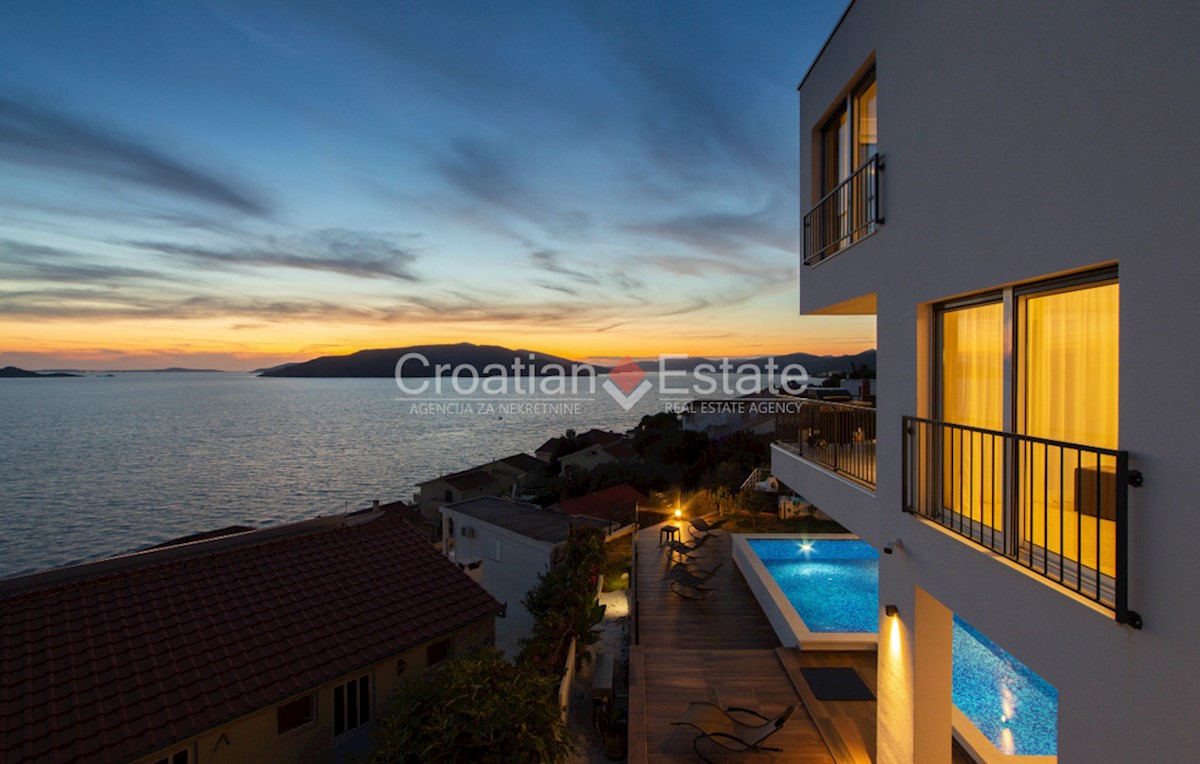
column 835, row 162
column 1068, row 501
column 1071, row 354
column 866, row 131
column 364, row 700
column 973, row 395
column 339, row 711
column 351, row 706
column 973, row 366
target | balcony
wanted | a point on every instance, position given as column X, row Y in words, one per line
column 844, row 216
column 1058, row 509
column 839, row 437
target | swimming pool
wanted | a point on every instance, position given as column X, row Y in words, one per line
column 1014, row 708
column 832, row 583
column 817, row 590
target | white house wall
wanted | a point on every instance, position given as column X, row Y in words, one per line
column 1024, row 140
column 508, row 579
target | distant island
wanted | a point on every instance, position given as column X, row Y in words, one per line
column 382, row 362
column 12, row 372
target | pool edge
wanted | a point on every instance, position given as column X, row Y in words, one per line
column 784, row 619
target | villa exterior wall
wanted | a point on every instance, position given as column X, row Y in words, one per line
column 1023, row 141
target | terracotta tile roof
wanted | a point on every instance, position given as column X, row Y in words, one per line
column 473, row 478
column 621, row 500
column 523, row 462
column 115, row 665
column 622, row 451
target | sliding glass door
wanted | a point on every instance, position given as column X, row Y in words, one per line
column 972, row 394
column 1068, row 392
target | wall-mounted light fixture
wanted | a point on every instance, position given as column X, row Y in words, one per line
column 678, row 513
column 891, row 610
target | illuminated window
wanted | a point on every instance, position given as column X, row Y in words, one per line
column 847, row 177
column 1052, row 349
column 850, row 137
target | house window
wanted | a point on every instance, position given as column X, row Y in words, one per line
column 847, row 175
column 851, row 135
column 494, row 550
column 438, row 652
column 178, row 757
column 351, row 705
column 1040, row 361
column 296, row 714
column 448, row 495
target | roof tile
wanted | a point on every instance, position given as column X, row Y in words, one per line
column 122, row 664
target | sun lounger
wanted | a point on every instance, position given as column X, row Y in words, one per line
column 705, row 527
column 723, row 728
column 682, row 571
column 691, row 591
column 685, row 551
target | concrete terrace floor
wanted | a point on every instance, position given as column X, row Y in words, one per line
column 720, row 649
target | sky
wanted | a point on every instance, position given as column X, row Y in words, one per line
column 238, row 184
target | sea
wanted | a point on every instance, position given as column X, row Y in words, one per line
column 98, row 465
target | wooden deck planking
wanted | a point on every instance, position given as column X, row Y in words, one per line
column 720, row 649
column 747, row 678
column 847, row 726
column 729, row 619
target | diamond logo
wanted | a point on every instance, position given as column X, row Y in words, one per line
column 627, row 375
column 627, row 383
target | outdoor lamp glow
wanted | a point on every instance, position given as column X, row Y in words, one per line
column 678, row 513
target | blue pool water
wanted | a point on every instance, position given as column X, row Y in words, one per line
column 1012, row 706
column 832, row 583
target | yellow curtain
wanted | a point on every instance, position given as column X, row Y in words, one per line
column 1071, row 365
column 973, row 395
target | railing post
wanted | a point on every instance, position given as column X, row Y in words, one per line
column 1121, row 594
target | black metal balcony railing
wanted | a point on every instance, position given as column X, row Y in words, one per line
column 1058, row 509
column 837, row 436
column 845, row 215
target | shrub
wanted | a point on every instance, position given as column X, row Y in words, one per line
column 478, row 708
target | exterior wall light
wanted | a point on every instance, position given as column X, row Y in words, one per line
column 891, row 610
column 678, row 513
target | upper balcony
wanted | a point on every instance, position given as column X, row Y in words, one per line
column 838, row 437
column 844, row 216
column 1060, row 510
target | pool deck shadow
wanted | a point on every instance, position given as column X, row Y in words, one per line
column 721, row 649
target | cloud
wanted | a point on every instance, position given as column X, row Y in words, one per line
column 23, row 261
column 350, row 253
column 549, row 260
column 725, row 233
column 35, row 136
column 476, row 168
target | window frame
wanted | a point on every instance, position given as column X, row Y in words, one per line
column 308, row 724
column 845, row 107
column 355, row 695
column 1014, row 340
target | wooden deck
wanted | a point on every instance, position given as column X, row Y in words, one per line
column 720, row 649
column 847, row 726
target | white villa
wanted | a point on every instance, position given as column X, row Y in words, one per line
column 1004, row 187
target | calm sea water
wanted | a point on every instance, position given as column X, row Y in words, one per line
column 96, row 466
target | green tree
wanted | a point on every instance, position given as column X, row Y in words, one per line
column 476, row 709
